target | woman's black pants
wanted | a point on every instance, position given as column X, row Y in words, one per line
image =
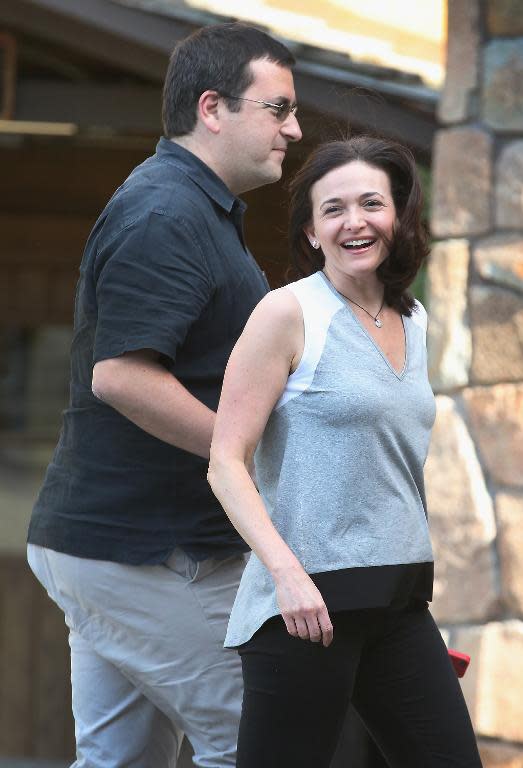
column 391, row 664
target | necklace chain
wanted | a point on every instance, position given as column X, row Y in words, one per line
column 377, row 322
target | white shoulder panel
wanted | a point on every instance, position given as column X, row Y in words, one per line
column 419, row 317
column 318, row 305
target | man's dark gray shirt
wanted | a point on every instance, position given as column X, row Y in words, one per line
column 165, row 268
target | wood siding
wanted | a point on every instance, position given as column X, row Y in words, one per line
column 35, row 702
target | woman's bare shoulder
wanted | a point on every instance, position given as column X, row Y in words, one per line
column 275, row 325
column 280, row 306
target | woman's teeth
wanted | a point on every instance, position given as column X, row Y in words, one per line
column 357, row 243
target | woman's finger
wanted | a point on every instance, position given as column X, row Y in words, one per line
column 315, row 633
column 301, row 626
column 325, row 623
column 291, row 625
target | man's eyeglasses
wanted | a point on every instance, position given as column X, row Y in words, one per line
column 281, row 111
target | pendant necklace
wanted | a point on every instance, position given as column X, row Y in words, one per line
column 377, row 322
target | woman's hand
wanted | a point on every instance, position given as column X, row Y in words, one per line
column 302, row 607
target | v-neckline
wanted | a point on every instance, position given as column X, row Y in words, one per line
column 398, row 374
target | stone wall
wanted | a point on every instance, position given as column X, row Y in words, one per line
column 475, row 467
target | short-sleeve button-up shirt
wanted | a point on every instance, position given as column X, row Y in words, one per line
column 165, row 268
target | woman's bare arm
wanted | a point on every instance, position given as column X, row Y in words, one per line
column 259, row 366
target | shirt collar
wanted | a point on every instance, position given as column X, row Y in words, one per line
column 170, row 152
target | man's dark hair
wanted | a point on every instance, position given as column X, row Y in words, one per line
column 216, row 57
column 409, row 246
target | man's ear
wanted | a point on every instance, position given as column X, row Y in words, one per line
column 208, row 110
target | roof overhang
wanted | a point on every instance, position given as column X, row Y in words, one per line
column 137, row 37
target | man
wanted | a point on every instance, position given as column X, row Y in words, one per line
column 126, row 535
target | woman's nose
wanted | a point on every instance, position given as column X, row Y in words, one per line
column 353, row 220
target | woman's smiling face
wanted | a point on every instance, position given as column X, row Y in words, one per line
column 353, row 219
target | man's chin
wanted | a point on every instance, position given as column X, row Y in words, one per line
column 270, row 176
column 261, row 174
column 273, row 172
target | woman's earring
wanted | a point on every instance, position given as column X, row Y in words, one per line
column 315, row 244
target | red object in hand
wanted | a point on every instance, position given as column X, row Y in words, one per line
column 460, row 661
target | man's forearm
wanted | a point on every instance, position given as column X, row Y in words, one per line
column 143, row 391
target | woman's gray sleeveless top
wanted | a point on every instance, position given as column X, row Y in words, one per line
column 340, row 463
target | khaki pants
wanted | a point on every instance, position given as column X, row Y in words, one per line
column 147, row 657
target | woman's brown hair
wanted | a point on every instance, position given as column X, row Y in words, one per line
column 409, row 246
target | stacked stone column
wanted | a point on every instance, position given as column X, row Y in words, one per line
column 475, row 467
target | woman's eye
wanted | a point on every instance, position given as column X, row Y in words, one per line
column 331, row 209
column 373, row 204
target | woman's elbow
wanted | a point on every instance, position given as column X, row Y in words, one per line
column 215, row 470
column 222, row 468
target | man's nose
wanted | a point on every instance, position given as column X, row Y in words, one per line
column 291, row 128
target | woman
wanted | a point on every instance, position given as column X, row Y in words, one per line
column 329, row 383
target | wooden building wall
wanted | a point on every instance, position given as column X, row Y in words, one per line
column 50, row 196
column 35, row 699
